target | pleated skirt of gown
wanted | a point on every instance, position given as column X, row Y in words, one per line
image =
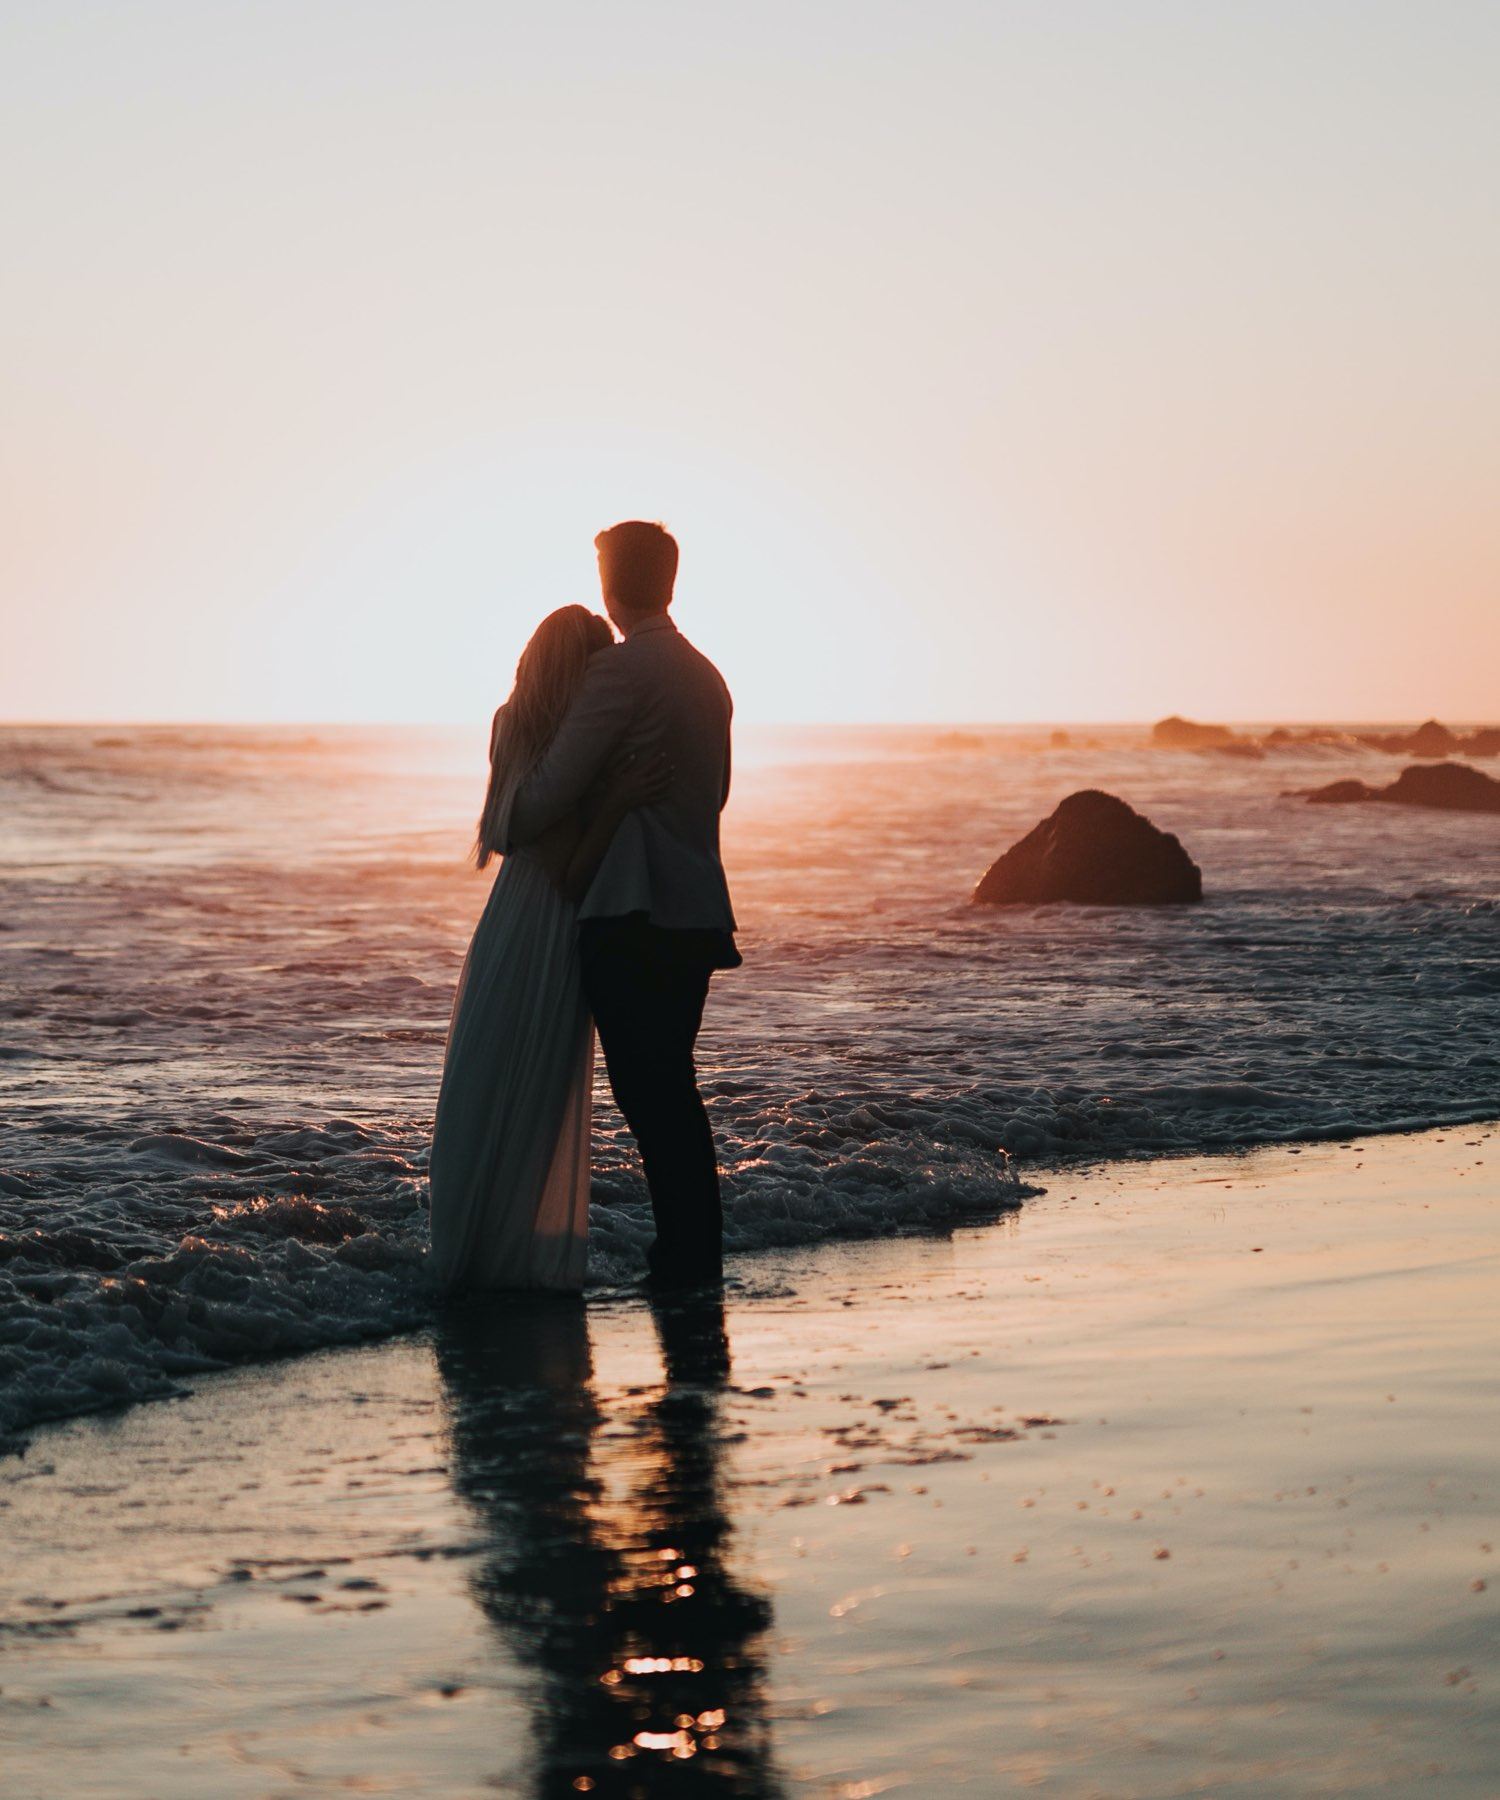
column 509, row 1170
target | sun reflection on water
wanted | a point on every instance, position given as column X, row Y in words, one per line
column 608, row 1566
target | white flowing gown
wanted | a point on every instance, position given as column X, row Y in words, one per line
column 510, row 1147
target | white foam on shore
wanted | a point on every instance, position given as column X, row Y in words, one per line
column 173, row 1275
column 230, row 1245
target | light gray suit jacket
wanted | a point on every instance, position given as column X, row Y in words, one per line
column 653, row 691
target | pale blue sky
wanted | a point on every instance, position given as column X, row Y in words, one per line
column 992, row 361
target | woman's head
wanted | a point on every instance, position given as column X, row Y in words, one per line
column 553, row 662
column 547, row 677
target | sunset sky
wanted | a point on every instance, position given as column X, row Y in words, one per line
column 992, row 361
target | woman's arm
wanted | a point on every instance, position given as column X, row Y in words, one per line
column 590, row 734
column 638, row 782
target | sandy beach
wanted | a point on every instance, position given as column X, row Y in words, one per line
column 1178, row 1481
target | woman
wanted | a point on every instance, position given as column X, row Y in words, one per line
column 510, row 1147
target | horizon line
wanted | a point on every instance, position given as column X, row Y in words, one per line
column 907, row 724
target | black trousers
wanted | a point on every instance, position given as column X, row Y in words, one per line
column 646, row 987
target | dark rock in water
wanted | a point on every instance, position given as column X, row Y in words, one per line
column 1434, row 740
column 1431, row 739
column 1450, row 787
column 1402, row 743
column 1095, row 850
column 1186, row 734
column 1337, row 793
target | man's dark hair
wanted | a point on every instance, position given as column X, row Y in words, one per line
column 637, row 565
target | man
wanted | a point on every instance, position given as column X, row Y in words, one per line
column 656, row 922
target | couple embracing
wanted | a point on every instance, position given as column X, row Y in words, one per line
column 609, row 767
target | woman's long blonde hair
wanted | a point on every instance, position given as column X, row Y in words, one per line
column 547, row 678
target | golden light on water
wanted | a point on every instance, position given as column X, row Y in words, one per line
column 678, row 1743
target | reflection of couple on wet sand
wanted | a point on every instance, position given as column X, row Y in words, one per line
column 604, row 1566
column 609, row 767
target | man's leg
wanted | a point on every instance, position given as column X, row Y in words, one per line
column 648, row 1006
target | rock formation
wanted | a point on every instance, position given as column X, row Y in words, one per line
column 1188, row 734
column 1434, row 740
column 1096, row 850
column 1431, row 739
column 1337, row 793
column 1450, row 787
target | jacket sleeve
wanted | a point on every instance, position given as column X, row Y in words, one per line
column 594, row 727
column 728, row 744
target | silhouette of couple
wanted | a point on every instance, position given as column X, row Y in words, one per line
column 609, row 767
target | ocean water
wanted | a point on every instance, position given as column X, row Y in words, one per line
column 227, row 957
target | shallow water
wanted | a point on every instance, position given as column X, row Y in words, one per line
column 228, row 955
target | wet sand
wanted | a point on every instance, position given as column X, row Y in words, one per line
column 1180, row 1481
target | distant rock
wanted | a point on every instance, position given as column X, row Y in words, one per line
column 1097, row 851
column 1449, row 787
column 1435, row 740
column 1429, row 739
column 1432, row 739
column 1186, row 734
column 1337, row 793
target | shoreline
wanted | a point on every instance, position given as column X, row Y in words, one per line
column 1022, row 1185
column 1179, row 1479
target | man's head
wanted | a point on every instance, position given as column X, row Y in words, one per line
column 637, row 567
